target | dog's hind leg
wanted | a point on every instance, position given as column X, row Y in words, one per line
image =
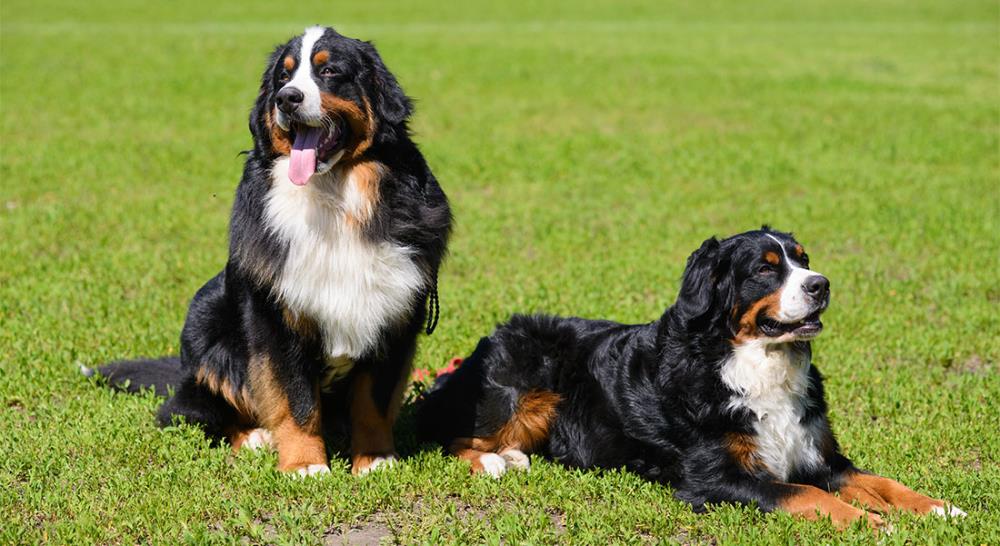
column 479, row 452
column 248, row 437
column 525, row 431
column 197, row 404
column 528, row 427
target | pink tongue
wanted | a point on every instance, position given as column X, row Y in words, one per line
column 303, row 161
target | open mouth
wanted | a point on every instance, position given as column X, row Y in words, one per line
column 805, row 328
column 315, row 149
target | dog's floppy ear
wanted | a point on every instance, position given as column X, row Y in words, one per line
column 258, row 127
column 706, row 289
column 390, row 103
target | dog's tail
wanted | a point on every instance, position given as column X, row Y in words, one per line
column 159, row 374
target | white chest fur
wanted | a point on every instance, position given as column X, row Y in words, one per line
column 772, row 381
column 351, row 287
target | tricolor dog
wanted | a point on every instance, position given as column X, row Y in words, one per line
column 336, row 236
column 718, row 397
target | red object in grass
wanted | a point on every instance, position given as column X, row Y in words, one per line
column 421, row 374
column 453, row 365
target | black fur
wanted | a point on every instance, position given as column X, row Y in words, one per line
column 236, row 316
column 645, row 397
column 158, row 374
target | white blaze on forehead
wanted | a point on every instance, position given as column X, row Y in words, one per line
column 309, row 111
column 795, row 305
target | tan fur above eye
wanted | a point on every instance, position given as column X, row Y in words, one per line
column 321, row 57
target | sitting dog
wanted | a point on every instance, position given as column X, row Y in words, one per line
column 337, row 233
column 718, row 398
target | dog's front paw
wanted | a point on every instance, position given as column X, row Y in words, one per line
column 516, row 459
column 948, row 510
column 365, row 464
column 493, row 465
column 311, row 470
column 258, row 438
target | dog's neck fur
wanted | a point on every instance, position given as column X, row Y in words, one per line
column 771, row 382
column 351, row 286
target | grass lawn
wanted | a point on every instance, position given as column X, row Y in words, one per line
column 587, row 150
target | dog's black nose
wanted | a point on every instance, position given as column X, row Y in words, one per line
column 817, row 286
column 288, row 99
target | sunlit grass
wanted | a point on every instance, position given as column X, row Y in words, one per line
column 587, row 150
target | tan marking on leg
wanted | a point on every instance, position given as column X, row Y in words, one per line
column 813, row 503
column 371, row 430
column 525, row 431
column 528, row 427
column 472, row 450
column 239, row 399
column 299, row 446
column 881, row 494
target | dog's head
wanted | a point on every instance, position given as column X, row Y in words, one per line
column 755, row 286
column 325, row 98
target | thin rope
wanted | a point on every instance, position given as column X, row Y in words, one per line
column 433, row 307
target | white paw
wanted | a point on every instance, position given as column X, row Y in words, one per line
column 312, row 470
column 515, row 458
column 257, row 439
column 379, row 462
column 948, row 511
column 493, row 464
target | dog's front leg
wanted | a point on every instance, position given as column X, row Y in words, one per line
column 803, row 501
column 883, row 494
column 375, row 401
column 290, row 410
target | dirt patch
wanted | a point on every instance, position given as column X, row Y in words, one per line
column 17, row 406
column 367, row 534
column 993, row 295
column 975, row 464
column 558, row 520
column 974, row 365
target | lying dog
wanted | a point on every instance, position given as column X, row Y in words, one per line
column 336, row 236
column 718, row 398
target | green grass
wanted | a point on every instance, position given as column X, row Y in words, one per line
column 587, row 150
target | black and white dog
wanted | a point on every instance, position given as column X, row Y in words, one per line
column 337, row 233
column 718, row 398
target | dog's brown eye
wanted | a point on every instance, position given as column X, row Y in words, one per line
column 326, row 72
column 767, row 269
column 284, row 77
